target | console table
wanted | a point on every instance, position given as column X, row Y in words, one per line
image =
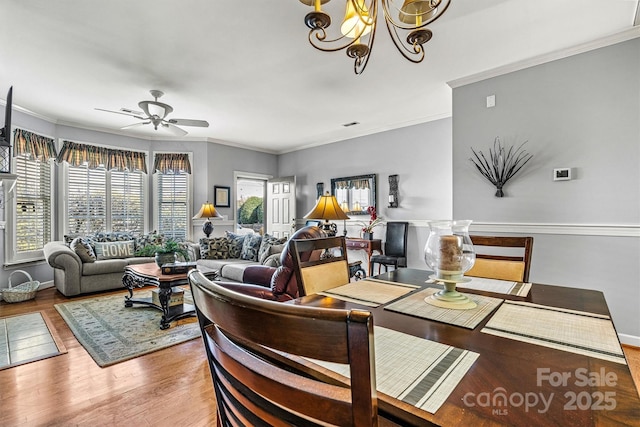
column 366, row 245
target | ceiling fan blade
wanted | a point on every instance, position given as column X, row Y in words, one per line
column 123, row 113
column 189, row 122
column 174, row 130
column 135, row 125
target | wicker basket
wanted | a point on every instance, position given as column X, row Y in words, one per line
column 22, row 292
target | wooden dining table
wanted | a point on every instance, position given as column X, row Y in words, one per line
column 511, row 382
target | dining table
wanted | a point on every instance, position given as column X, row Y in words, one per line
column 529, row 354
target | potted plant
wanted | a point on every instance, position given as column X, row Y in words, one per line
column 374, row 221
column 165, row 253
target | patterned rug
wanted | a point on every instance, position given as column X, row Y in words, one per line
column 112, row 333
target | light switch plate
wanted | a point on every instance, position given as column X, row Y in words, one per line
column 491, row 101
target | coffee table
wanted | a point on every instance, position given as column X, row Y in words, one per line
column 139, row 275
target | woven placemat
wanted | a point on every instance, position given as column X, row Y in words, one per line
column 574, row 331
column 368, row 292
column 497, row 286
column 415, row 305
column 417, row 371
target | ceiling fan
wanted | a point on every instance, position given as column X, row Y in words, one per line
column 156, row 113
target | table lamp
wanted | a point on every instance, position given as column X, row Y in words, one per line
column 328, row 208
column 207, row 211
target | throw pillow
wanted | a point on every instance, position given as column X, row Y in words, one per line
column 265, row 245
column 113, row 250
column 235, row 244
column 83, row 249
column 214, row 248
column 116, row 236
column 250, row 247
column 272, row 260
column 152, row 238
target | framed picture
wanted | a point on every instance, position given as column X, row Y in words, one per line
column 221, row 196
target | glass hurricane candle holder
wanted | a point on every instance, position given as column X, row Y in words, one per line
column 449, row 253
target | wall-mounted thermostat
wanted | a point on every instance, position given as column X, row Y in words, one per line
column 562, row 174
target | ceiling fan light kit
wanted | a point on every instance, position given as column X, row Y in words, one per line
column 156, row 113
column 405, row 21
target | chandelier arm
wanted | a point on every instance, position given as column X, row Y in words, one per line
column 359, row 66
column 322, row 39
column 409, row 54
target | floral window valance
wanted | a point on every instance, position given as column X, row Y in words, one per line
column 33, row 146
column 101, row 157
column 172, row 163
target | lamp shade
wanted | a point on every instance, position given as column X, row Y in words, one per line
column 207, row 211
column 327, row 208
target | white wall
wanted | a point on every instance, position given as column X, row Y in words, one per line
column 581, row 112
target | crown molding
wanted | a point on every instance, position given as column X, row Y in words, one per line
column 609, row 40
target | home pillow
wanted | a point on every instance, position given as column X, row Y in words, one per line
column 83, row 249
column 266, row 244
column 250, row 247
column 214, row 248
column 235, row 244
column 113, row 250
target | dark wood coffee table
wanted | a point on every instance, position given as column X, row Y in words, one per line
column 139, row 275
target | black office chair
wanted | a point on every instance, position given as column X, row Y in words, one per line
column 395, row 247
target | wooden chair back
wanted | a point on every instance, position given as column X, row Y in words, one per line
column 492, row 265
column 316, row 273
column 244, row 337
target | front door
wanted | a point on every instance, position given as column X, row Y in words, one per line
column 281, row 206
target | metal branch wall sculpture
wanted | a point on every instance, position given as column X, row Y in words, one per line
column 502, row 164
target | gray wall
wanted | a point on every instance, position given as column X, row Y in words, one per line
column 581, row 112
column 421, row 157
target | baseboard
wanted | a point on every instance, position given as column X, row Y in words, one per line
column 629, row 340
column 46, row 285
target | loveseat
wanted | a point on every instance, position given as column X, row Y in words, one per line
column 85, row 264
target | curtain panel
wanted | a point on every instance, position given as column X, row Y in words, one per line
column 33, row 146
column 95, row 157
column 172, row 163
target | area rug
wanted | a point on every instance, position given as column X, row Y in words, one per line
column 26, row 338
column 112, row 333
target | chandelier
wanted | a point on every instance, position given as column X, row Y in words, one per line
column 405, row 20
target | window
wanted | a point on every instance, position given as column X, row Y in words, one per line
column 250, row 197
column 32, row 218
column 172, row 205
column 105, row 189
column 29, row 213
column 172, row 201
column 101, row 201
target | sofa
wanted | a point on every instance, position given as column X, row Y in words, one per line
column 86, row 264
column 275, row 283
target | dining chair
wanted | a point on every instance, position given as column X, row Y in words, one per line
column 495, row 258
column 319, row 264
column 256, row 385
column 395, row 247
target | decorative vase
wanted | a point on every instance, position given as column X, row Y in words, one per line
column 367, row 236
column 449, row 253
column 165, row 258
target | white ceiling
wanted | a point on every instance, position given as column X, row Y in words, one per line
column 249, row 70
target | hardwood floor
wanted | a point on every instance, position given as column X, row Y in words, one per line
column 165, row 388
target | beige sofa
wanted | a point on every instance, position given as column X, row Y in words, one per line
column 73, row 276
